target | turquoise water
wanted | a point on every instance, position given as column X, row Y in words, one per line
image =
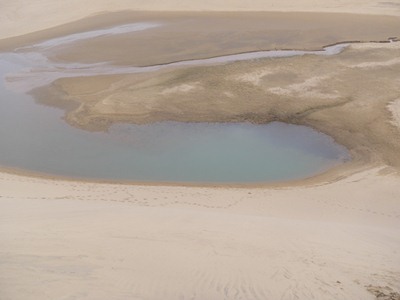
column 35, row 138
column 174, row 152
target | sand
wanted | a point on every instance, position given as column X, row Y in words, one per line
column 73, row 240
column 335, row 236
column 196, row 35
column 20, row 17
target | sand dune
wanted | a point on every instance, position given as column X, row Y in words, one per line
column 331, row 237
column 67, row 240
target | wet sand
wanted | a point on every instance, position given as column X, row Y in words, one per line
column 19, row 17
column 339, row 97
column 332, row 237
column 196, row 35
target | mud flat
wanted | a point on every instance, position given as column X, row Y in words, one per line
column 19, row 17
column 343, row 97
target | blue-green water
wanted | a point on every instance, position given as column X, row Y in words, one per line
column 35, row 138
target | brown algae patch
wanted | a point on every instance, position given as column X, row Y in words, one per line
column 331, row 94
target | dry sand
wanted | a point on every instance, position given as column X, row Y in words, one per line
column 69, row 240
column 333, row 237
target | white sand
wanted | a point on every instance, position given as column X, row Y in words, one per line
column 19, row 17
column 66, row 240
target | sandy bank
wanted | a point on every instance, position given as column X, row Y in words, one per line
column 102, row 241
column 20, row 17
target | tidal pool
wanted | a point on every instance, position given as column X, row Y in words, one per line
column 35, row 138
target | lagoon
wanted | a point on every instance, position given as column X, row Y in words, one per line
column 36, row 139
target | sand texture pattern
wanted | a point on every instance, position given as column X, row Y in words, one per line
column 67, row 240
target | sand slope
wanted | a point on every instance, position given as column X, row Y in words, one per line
column 66, row 240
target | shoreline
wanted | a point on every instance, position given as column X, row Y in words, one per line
column 78, row 234
column 304, row 114
column 328, row 176
column 331, row 175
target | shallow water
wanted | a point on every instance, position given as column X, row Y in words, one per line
column 35, row 137
column 34, row 69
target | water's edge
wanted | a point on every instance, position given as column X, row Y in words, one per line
column 28, row 68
